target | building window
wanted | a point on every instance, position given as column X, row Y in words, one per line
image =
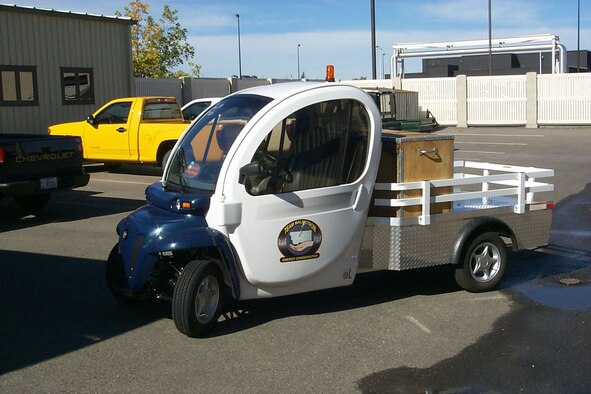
column 77, row 85
column 18, row 85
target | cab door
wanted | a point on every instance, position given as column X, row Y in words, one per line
column 297, row 191
column 108, row 136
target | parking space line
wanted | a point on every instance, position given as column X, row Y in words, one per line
column 490, row 298
column 479, row 152
column 490, row 143
column 500, row 135
column 418, row 324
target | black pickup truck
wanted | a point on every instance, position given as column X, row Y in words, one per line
column 33, row 166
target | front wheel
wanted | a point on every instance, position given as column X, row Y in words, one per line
column 484, row 263
column 197, row 298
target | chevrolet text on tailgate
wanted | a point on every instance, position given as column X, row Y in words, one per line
column 34, row 166
column 268, row 194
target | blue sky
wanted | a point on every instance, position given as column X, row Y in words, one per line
column 338, row 32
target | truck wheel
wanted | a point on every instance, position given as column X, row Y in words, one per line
column 484, row 263
column 165, row 158
column 33, row 202
column 116, row 282
column 197, row 298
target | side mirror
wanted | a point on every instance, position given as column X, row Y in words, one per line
column 90, row 120
column 253, row 169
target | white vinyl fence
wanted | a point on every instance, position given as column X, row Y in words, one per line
column 557, row 99
column 564, row 98
column 438, row 95
column 496, row 100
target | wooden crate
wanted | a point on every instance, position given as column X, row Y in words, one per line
column 408, row 157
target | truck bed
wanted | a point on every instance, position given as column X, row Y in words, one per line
column 504, row 192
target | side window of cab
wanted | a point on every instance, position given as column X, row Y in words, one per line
column 321, row 145
column 114, row 114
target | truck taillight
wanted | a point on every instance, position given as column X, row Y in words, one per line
column 330, row 73
column 1, row 154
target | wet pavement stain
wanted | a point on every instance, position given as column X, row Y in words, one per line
column 533, row 349
column 542, row 346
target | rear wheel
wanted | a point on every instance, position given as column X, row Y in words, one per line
column 484, row 263
column 165, row 158
column 197, row 299
column 33, row 202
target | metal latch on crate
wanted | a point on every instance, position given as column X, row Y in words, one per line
column 434, row 151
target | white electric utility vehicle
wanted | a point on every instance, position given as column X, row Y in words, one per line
column 272, row 191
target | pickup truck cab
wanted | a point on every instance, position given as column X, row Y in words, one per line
column 131, row 130
column 194, row 108
column 268, row 193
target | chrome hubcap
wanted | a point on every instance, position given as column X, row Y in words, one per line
column 207, row 299
column 485, row 262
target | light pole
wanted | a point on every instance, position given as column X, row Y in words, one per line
column 382, row 58
column 239, row 52
column 373, row 38
column 489, row 39
column 579, row 36
column 299, row 75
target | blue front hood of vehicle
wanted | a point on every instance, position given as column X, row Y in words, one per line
column 163, row 225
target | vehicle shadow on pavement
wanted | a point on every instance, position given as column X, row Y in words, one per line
column 370, row 288
column 568, row 231
column 388, row 286
column 64, row 207
column 53, row 305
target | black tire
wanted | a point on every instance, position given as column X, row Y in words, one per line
column 484, row 263
column 197, row 299
column 34, row 202
column 116, row 281
column 165, row 158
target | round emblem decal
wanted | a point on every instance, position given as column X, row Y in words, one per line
column 299, row 240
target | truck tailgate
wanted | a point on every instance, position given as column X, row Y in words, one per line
column 32, row 157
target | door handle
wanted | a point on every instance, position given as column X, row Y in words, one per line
column 121, row 129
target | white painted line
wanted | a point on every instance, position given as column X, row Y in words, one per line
column 480, row 152
column 501, row 135
column 492, row 143
column 127, row 182
column 490, row 298
column 418, row 324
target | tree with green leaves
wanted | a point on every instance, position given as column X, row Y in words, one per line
column 158, row 48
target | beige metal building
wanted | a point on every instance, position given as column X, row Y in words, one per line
column 58, row 66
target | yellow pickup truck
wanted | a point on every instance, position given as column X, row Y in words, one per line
column 132, row 129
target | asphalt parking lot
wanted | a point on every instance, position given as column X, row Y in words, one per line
column 408, row 332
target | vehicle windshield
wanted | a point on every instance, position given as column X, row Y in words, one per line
column 196, row 163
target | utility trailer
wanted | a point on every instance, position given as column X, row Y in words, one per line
column 291, row 188
column 471, row 235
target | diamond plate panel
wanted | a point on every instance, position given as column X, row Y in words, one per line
column 532, row 229
column 386, row 247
